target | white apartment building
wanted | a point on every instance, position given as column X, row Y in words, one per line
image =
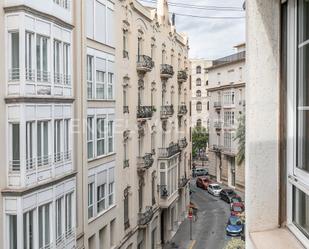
column 38, row 194
column 199, row 103
column 277, row 173
column 226, row 102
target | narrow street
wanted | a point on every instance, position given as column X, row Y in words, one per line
column 209, row 229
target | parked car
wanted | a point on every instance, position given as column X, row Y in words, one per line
column 227, row 195
column 234, row 226
column 203, row 182
column 214, row 189
column 237, row 209
column 235, row 199
column 200, row 172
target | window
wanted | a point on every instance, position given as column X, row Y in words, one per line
column 14, row 73
column 44, row 226
column 198, row 82
column 198, row 70
column 90, row 76
column 100, row 136
column 28, row 229
column 15, row 148
column 42, row 58
column 229, row 98
column 126, row 208
column 29, row 42
column 29, row 145
column 90, row 138
column 199, row 123
column 12, row 228
column 139, row 45
column 42, row 143
column 68, row 214
column 110, row 136
column 90, row 200
column 153, row 189
column 229, row 118
column 100, row 84
column 57, row 58
column 111, row 187
column 198, row 93
column 66, row 144
column 101, row 196
column 110, row 88
column 59, row 218
column 66, row 63
column 57, row 140
column 153, row 140
column 199, row 106
column 63, row 3
column 125, row 43
column 153, row 51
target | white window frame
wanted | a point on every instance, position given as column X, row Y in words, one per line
column 46, row 243
column 28, row 236
column 110, row 85
column 91, row 199
column 101, row 135
column 29, row 56
column 90, row 136
column 102, row 84
column 295, row 176
column 42, row 75
column 101, row 197
column 30, row 150
column 90, row 79
column 43, row 160
column 110, row 134
column 14, row 72
column 59, row 219
column 69, row 197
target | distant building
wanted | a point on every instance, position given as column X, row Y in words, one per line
column 226, row 100
column 199, row 81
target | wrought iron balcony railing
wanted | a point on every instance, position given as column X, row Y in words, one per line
column 145, row 111
column 217, row 105
column 182, row 182
column 182, row 110
column 146, row 161
column 163, row 191
column 182, row 76
column 218, row 125
column 183, row 143
column 167, row 111
column 144, row 63
column 170, row 151
column 167, row 71
column 217, row 148
column 145, row 217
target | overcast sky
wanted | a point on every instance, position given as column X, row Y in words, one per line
column 210, row 38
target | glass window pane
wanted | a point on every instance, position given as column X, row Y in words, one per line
column 301, row 210
column 13, row 231
column 303, row 20
column 15, row 50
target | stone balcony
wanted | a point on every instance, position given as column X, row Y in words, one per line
column 144, row 63
column 167, row 111
column 229, row 150
column 146, row 161
column 182, row 182
column 145, row 111
column 217, row 105
column 182, row 76
column 145, row 217
column 183, row 143
column 217, row 148
column 182, row 110
column 218, row 125
column 166, row 71
column 170, row 151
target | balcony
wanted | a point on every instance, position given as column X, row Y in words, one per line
column 145, row 217
column 182, row 76
column 166, row 71
column 231, row 58
column 125, row 109
column 218, row 125
column 163, row 191
column 217, row 105
column 33, row 170
column 170, row 151
column 182, row 110
column 167, row 111
column 167, row 198
column 145, row 111
column 126, row 163
column 229, row 150
column 145, row 162
column 182, row 182
column 217, row 148
column 183, row 143
column 144, row 64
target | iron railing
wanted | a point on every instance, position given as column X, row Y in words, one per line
column 170, row 151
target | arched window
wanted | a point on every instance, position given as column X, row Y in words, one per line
column 198, row 69
column 199, row 106
column 198, row 93
column 199, row 123
column 198, row 82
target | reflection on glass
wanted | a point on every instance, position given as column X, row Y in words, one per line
column 303, row 20
column 301, row 210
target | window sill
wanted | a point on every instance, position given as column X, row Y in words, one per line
column 101, row 214
column 275, row 239
column 101, row 157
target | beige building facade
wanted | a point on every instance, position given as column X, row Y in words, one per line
column 226, row 100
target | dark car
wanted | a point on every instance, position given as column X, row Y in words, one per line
column 227, row 195
column 234, row 226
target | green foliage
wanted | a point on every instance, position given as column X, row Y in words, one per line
column 199, row 139
column 241, row 137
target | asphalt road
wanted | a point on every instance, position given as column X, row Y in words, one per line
column 209, row 229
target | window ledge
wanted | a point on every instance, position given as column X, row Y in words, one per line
column 275, row 239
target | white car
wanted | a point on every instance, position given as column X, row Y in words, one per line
column 214, row 189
